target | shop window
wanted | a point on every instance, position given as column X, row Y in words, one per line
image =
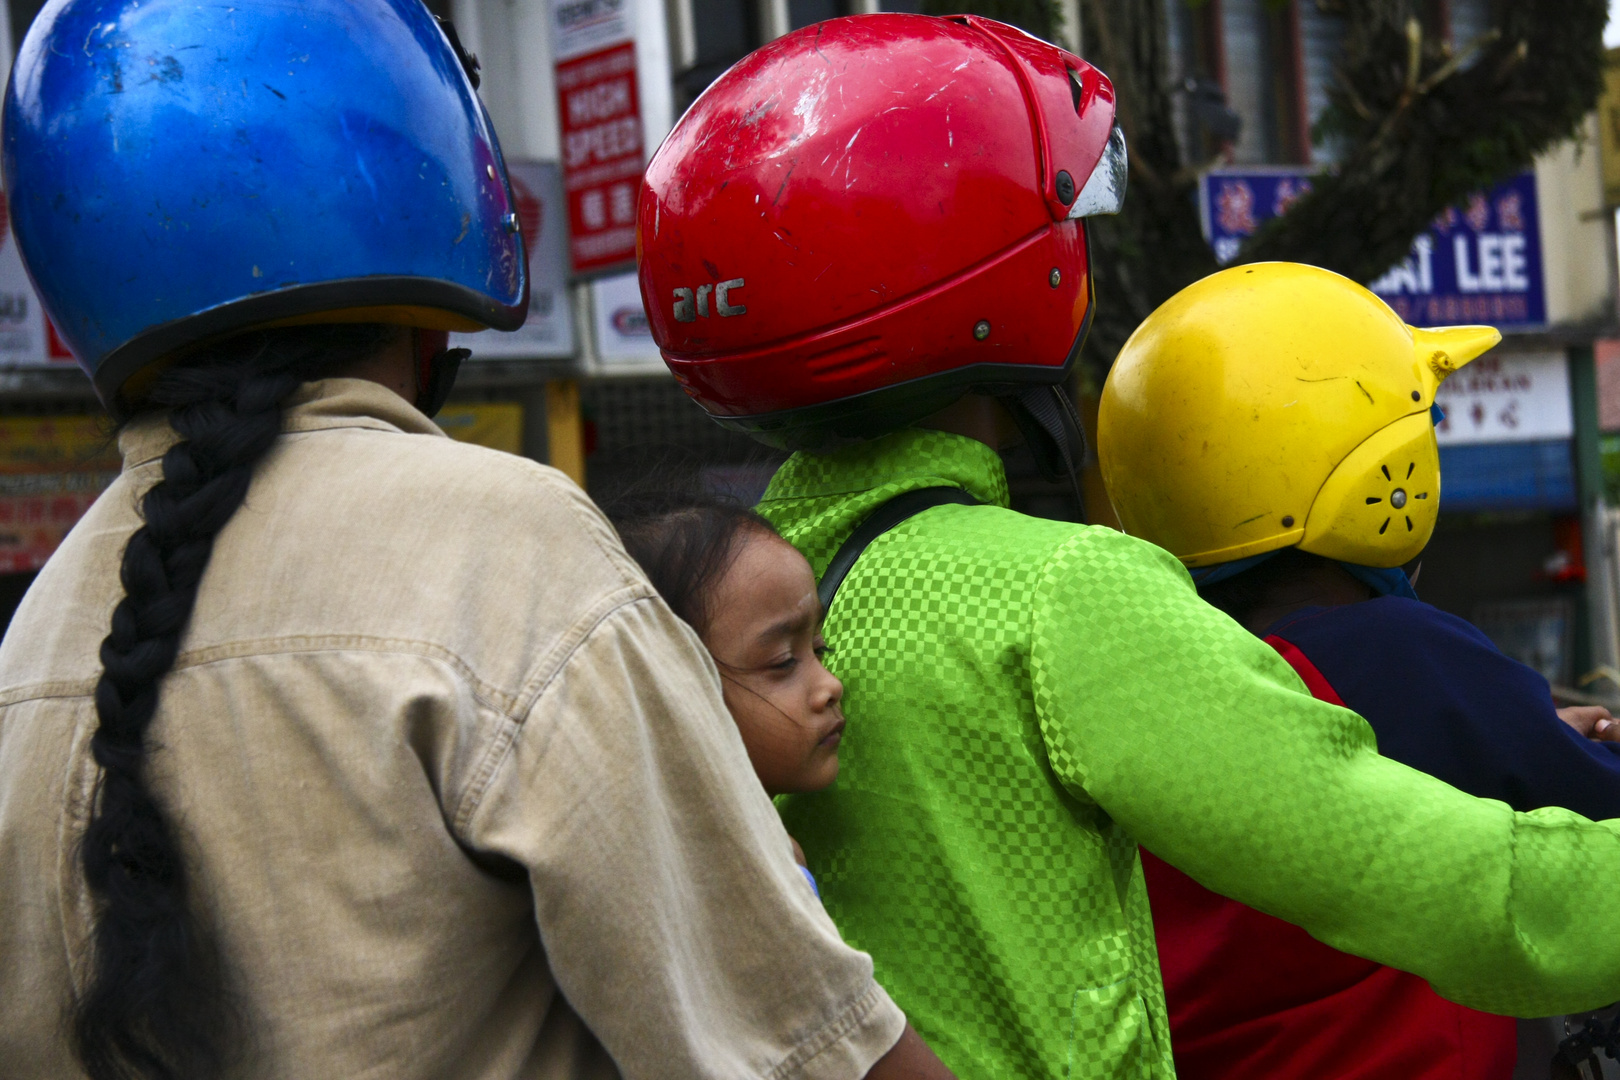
column 1321, row 48
column 721, row 32
column 806, row 12
column 1263, row 80
column 1205, row 124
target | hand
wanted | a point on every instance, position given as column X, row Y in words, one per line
column 798, row 852
column 1593, row 721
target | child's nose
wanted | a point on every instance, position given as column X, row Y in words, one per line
column 832, row 690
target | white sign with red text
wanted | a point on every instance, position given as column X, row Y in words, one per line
column 26, row 340
column 599, row 112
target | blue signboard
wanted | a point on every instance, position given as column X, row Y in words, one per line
column 1476, row 263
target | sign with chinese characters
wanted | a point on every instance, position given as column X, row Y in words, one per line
column 623, row 337
column 599, row 111
column 1235, row 204
column 549, row 330
column 1507, row 397
column 1476, row 263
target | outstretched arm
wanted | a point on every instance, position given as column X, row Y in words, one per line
column 1282, row 802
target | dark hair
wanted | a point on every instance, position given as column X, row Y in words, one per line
column 156, row 1005
column 684, row 541
column 1276, row 580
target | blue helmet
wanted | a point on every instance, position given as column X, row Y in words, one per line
column 180, row 171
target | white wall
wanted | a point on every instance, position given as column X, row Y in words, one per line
column 1576, row 252
column 513, row 41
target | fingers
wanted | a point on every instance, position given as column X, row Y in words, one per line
column 1593, row 721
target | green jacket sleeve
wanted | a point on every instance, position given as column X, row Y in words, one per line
column 1205, row 745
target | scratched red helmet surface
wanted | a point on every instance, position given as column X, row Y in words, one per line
column 867, row 217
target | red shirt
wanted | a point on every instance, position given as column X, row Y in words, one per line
column 1252, row 996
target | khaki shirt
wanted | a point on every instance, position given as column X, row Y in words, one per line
column 459, row 794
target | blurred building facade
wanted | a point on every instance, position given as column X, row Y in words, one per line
column 582, row 91
column 1525, row 546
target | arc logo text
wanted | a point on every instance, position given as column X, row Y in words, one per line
column 690, row 304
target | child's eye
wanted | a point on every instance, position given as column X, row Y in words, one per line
column 787, row 663
column 821, row 650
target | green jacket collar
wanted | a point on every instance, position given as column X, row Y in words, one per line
column 816, row 500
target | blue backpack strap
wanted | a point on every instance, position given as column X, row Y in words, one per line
column 898, row 509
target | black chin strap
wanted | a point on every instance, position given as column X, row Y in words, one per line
column 902, row 507
column 1052, row 429
column 441, row 378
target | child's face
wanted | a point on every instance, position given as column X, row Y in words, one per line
column 765, row 635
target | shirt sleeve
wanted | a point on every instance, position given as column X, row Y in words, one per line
column 672, row 914
column 1445, row 700
column 1203, row 743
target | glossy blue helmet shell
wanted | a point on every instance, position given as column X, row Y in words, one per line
column 180, row 170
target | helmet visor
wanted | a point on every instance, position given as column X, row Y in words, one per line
column 1104, row 192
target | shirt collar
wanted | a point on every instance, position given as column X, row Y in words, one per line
column 316, row 406
column 905, row 460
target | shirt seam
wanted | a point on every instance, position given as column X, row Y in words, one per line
column 483, row 692
column 506, row 703
column 1040, row 602
column 498, row 752
column 829, row 1035
column 46, row 691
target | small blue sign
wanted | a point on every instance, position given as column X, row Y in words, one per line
column 1476, row 263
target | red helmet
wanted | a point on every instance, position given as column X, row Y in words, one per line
column 868, row 217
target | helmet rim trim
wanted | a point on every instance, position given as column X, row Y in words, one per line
column 297, row 302
column 925, row 394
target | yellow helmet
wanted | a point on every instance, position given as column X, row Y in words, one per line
column 1275, row 405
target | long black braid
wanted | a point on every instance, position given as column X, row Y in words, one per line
column 156, row 1006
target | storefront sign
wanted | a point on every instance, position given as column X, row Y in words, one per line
column 599, row 110
column 623, row 337
column 1477, row 263
column 51, row 471
column 549, row 329
column 1510, row 397
column 27, row 339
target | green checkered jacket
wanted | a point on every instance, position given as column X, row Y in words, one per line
column 1028, row 699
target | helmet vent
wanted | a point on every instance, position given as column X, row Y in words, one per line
column 1385, row 526
column 1386, row 472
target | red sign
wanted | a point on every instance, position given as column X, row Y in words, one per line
column 602, row 155
column 31, row 526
